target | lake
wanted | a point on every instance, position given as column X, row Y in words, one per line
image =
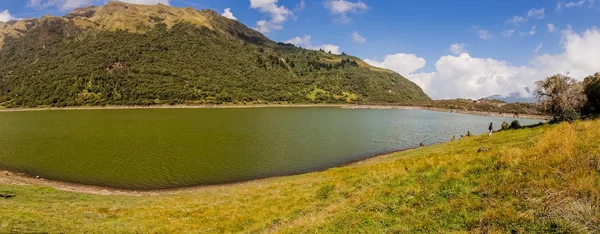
column 169, row 148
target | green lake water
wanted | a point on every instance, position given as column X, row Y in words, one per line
column 168, row 148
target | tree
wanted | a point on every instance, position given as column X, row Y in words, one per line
column 592, row 92
column 561, row 96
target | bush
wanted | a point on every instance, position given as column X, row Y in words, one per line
column 515, row 124
column 570, row 115
column 505, row 125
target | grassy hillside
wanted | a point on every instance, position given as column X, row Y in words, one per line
column 543, row 179
column 125, row 54
column 488, row 106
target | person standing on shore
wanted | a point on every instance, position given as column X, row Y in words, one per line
column 491, row 128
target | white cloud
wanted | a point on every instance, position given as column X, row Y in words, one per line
column 5, row 16
column 561, row 5
column 580, row 57
column 484, row 34
column 531, row 14
column 305, row 42
column 145, row 2
column 536, row 13
column 464, row 76
column 358, row 38
column 227, row 13
column 551, row 28
column 300, row 6
column 517, row 20
column 65, row 5
column 401, row 63
column 341, row 8
column 532, row 31
column 508, row 33
column 468, row 77
column 334, row 49
column 278, row 14
column 574, row 4
column 538, row 47
column 458, row 48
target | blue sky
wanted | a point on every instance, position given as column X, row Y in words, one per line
column 411, row 37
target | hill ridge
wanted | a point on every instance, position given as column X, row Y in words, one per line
column 127, row 54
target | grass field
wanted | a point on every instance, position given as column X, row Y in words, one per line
column 543, row 179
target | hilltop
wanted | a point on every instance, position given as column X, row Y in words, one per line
column 126, row 54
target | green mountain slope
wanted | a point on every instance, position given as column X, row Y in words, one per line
column 125, row 54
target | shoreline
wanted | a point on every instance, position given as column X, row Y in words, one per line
column 23, row 179
column 345, row 106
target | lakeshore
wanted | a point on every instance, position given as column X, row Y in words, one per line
column 22, row 179
column 440, row 188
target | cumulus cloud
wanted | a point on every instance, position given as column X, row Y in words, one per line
column 404, row 64
column 228, row 14
column 6, row 16
column 458, row 48
column 580, row 57
column 465, row 76
column 401, row 63
column 508, row 33
column 341, row 8
column 468, row 77
column 538, row 47
column 551, row 27
column 358, row 38
column 278, row 15
column 305, row 42
column 65, row 5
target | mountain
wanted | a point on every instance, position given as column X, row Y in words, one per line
column 512, row 98
column 126, row 54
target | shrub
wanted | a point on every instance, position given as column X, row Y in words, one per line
column 515, row 124
column 570, row 115
column 505, row 125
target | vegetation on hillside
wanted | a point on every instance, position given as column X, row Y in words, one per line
column 534, row 180
column 487, row 106
column 208, row 59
